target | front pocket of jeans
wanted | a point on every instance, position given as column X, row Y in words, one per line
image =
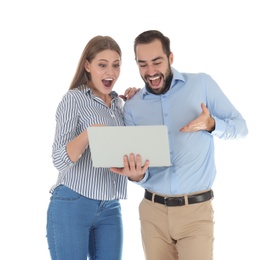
column 65, row 193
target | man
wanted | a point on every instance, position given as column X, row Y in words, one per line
column 176, row 212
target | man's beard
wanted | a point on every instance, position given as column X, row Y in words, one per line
column 166, row 86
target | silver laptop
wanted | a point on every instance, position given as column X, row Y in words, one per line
column 108, row 144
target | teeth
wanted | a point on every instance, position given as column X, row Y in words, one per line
column 153, row 78
column 109, row 79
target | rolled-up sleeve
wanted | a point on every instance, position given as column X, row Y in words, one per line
column 67, row 116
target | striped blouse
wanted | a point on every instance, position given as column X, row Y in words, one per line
column 79, row 109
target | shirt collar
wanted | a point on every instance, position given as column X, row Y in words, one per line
column 88, row 91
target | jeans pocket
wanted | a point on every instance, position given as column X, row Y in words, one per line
column 64, row 193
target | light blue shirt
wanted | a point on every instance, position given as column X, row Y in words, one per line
column 192, row 154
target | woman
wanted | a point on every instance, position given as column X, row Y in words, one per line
column 84, row 215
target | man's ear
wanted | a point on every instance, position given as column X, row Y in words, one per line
column 171, row 57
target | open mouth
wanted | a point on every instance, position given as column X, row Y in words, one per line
column 155, row 80
column 107, row 82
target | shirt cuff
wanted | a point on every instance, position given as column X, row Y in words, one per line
column 144, row 178
column 220, row 127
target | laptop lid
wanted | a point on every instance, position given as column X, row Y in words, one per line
column 108, row 144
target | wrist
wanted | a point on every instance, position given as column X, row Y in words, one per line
column 212, row 125
column 138, row 178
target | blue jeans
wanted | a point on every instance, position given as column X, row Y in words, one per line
column 79, row 227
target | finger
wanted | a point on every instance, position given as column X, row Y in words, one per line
column 204, row 108
column 146, row 165
column 127, row 90
column 132, row 161
column 138, row 162
column 125, row 162
column 132, row 92
column 185, row 128
column 116, row 170
column 123, row 97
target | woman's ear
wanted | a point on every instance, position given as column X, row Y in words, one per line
column 87, row 66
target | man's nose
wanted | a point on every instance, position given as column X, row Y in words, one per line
column 150, row 70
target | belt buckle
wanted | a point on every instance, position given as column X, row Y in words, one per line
column 174, row 201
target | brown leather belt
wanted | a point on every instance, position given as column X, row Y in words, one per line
column 179, row 201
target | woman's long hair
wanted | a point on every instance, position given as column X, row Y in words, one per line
column 94, row 46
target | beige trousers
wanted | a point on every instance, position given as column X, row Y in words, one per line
column 177, row 233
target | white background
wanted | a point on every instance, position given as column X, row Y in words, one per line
column 236, row 42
